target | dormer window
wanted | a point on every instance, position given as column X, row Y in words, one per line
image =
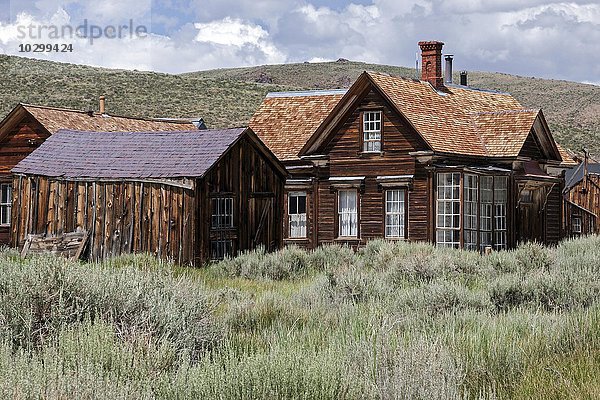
column 371, row 128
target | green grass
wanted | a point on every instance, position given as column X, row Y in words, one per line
column 394, row 320
column 229, row 97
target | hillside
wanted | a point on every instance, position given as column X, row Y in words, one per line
column 228, row 97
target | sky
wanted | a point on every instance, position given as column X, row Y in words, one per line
column 558, row 40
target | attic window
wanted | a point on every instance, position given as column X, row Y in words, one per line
column 371, row 128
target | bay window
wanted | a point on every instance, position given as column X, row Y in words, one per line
column 347, row 213
column 483, row 216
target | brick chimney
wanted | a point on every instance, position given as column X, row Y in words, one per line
column 102, row 105
column 431, row 64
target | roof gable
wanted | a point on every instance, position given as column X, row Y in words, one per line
column 80, row 154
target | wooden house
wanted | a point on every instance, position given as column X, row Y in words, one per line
column 187, row 196
column 27, row 126
column 421, row 160
column 582, row 199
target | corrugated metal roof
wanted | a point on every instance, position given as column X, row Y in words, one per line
column 175, row 154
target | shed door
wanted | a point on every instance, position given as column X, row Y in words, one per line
column 530, row 216
column 261, row 222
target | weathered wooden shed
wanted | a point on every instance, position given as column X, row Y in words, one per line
column 27, row 126
column 187, row 196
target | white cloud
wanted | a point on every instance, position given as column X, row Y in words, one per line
column 235, row 36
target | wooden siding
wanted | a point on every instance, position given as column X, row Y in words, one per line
column 585, row 195
column 553, row 215
column 121, row 217
column 346, row 158
column 17, row 144
column 257, row 189
column 531, row 148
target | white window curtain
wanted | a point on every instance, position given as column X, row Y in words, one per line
column 297, row 214
column 347, row 213
column 394, row 213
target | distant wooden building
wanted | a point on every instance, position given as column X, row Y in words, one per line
column 582, row 200
column 420, row 160
column 27, row 126
column 185, row 196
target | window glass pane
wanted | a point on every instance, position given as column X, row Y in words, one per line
column 297, row 214
column 5, row 203
column 372, row 131
column 394, row 214
column 222, row 212
column 347, row 213
column 448, row 209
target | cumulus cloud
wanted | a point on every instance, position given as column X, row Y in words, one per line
column 235, row 37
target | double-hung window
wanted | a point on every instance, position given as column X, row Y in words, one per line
column 5, row 203
column 448, row 209
column 347, row 213
column 297, row 214
column 371, row 127
column 395, row 213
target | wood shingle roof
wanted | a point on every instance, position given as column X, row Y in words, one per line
column 287, row 120
column 53, row 119
column 454, row 120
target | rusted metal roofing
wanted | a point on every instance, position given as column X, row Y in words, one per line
column 175, row 154
column 285, row 121
column 54, row 119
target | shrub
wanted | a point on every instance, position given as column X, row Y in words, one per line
column 45, row 295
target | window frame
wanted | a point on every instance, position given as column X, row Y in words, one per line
column 489, row 210
column 5, row 204
column 222, row 251
column 574, row 225
column 297, row 194
column 220, row 215
column 471, row 212
column 403, row 214
column 364, row 142
column 339, row 214
column 453, row 229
